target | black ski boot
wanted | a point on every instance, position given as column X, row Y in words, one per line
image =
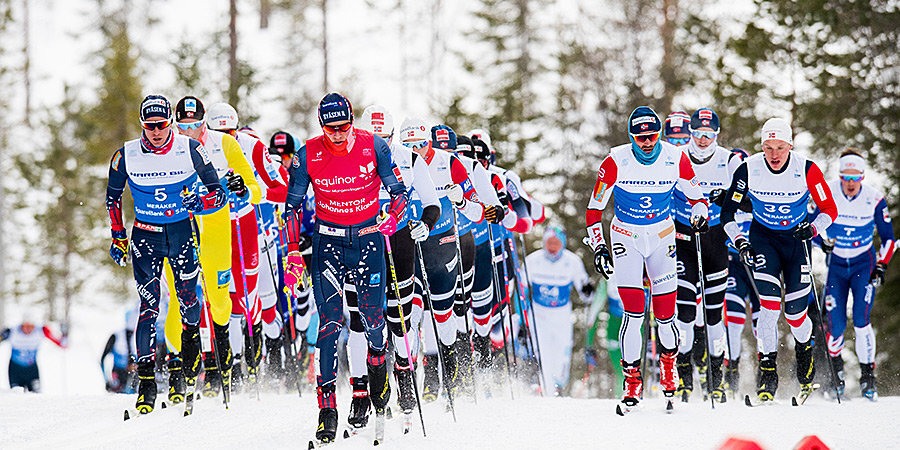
column 685, row 376
column 212, row 381
column 328, row 422
column 177, row 385
column 253, row 350
column 767, row 377
column 699, row 354
column 465, row 366
column 482, row 356
column 237, row 375
column 867, row 381
column 146, row 388
column 715, row 378
column 837, row 363
column 405, row 394
column 223, row 350
column 360, row 405
column 274, row 370
column 732, row 376
column 806, row 369
column 431, row 385
column 450, row 368
column 379, row 381
column 190, row 354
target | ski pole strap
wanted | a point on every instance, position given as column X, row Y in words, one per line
column 292, row 228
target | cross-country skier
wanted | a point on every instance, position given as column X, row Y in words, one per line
column 554, row 271
column 346, row 168
column 778, row 184
column 121, row 346
column 854, row 267
column 158, row 167
column 642, row 176
column 713, row 167
column 24, row 341
column 677, row 131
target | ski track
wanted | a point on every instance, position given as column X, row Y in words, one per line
column 95, row 421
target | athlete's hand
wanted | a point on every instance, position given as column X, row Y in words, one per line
column 454, row 194
column 418, row 231
column 877, row 277
column 699, row 224
column 603, row 260
column 303, row 243
column 587, row 290
column 295, row 276
column 827, row 246
column 745, row 250
column 503, row 196
column 118, row 251
column 387, row 224
column 805, row 231
column 235, row 183
column 494, row 214
column 191, row 201
column 717, row 196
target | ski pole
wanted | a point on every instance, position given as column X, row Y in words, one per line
column 195, row 240
column 500, row 309
column 509, row 305
column 275, row 285
column 387, row 243
column 282, row 235
column 427, row 294
column 537, row 340
column 812, row 283
column 702, row 275
column 246, row 298
column 462, row 285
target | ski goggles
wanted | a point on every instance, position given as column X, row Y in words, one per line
column 704, row 134
column 415, row 145
column 156, row 125
column 645, row 137
column 331, row 129
column 189, row 126
column 679, row 141
column 852, row 177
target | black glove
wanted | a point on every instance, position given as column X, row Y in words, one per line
column 603, row 261
column 805, row 231
column 494, row 214
column 699, row 224
column 587, row 289
column 503, row 197
column 877, row 277
column 827, row 246
column 743, row 247
column 717, row 196
column 304, row 242
column 235, row 183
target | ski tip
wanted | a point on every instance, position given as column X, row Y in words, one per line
column 619, row 410
column 311, row 446
column 669, row 406
column 747, row 400
column 163, row 405
column 346, row 434
column 127, row 416
column 794, row 401
column 377, row 442
column 388, row 413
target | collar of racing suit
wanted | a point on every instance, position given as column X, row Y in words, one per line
column 342, row 149
column 701, row 155
column 147, row 147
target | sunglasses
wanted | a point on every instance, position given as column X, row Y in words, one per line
column 331, row 129
column 704, row 134
column 679, row 141
column 645, row 137
column 853, row 177
column 189, row 126
column 415, row 145
column 157, row 125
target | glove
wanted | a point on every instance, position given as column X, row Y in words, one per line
column 303, row 242
column 587, row 290
column 503, row 196
column 827, row 246
column 494, row 214
column 235, row 183
column 699, row 224
column 590, row 357
column 877, row 277
column 295, row 276
column 603, row 260
column 805, row 231
column 191, row 201
column 454, row 194
column 418, row 231
column 387, row 224
column 746, row 252
column 717, row 196
column 118, row 250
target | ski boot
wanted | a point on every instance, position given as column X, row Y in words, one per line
column 328, row 422
column 668, row 372
column 715, row 378
column 190, row 353
column 237, row 375
column 806, row 369
column 767, row 377
column 146, row 388
column 274, row 371
column 685, row 376
column 405, row 394
column 432, row 383
column 732, row 376
column 177, row 385
column 463, row 351
column 254, row 352
column 634, row 384
column 482, row 356
column 837, row 363
column 450, row 368
column 379, row 381
column 360, row 405
column 223, row 350
column 212, row 380
column 867, row 381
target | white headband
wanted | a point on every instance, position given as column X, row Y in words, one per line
column 853, row 162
